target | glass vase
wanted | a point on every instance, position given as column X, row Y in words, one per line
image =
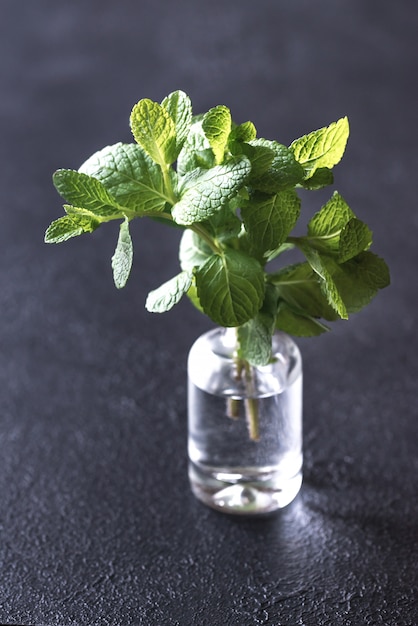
column 244, row 425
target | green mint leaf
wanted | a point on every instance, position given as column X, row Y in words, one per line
column 255, row 336
column 298, row 323
column 269, row 219
column 168, row 294
column 323, row 267
column 86, row 192
column 359, row 279
column 230, row 287
column 155, row 131
column 321, row 148
column 193, row 251
column 179, row 108
column 324, row 229
column 206, row 192
column 355, row 238
column 224, row 224
column 243, row 132
column 196, row 151
column 284, row 170
column 322, row 177
column 122, row 259
column 130, row 176
column 299, row 287
column 70, row 226
column 216, row 125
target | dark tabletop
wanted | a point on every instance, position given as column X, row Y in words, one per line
column 97, row 523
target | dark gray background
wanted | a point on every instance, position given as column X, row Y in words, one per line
column 97, row 524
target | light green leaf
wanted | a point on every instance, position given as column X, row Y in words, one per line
column 325, row 227
column 322, row 148
column 255, row 336
column 70, row 226
column 355, row 238
column 299, row 286
column 216, row 125
column 193, row 251
column 322, row 266
column 269, row 219
column 179, row 108
column 86, row 192
column 168, row 294
column 155, row 131
column 230, row 287
column 243, row 132
column 298, row 323
column 204, row 194
column 122, row 259
column 284, row 171
column 130, row 175
column 196, row 151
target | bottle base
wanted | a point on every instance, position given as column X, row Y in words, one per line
column 243, row 492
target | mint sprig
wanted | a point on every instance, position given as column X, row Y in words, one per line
column 235, row 196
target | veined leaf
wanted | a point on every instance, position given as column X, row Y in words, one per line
column 243, row 132
column 216, row 125
column 196, row 151
column 359, row 279
column 322, row 177
column 269, row 219
column 193, row 251
column 321, row 266
column 284, row 171
column 255, row 336
column 299, row 286
column 155, row 131
column 324, row 229
column 130, row 175
column 210, row 190
column 70, row 226
column 179, row 108
column 298, row 322
column 84, row 191
column 321, row 148
column 122, row 259
column 355, row 238
column 168, row 294
column 230, row 287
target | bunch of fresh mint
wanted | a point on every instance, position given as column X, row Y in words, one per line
column 235, row 196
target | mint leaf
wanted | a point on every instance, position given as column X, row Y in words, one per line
column 155, row 131
column 130, row 176
column 179, row 108
column 325, row 227
column 255, row 336
column 359, row 279
column 204, row 194
column 322, row 177
column 298, row 323
column 243, row 132
column 168, row 294
column 196, row 151
column 193, row 251
column 284, row 171
column 323, row 267
column 321, row 148
column 298, row 285
column 216, row 125
column 355, row 237
column 122, row 259
column 86, row 192
column 70, row 226
column 269, row 219
column 230, row 287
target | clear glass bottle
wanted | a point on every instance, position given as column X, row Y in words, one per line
column 245, row 425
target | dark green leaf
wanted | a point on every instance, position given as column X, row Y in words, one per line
column 284, row 171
